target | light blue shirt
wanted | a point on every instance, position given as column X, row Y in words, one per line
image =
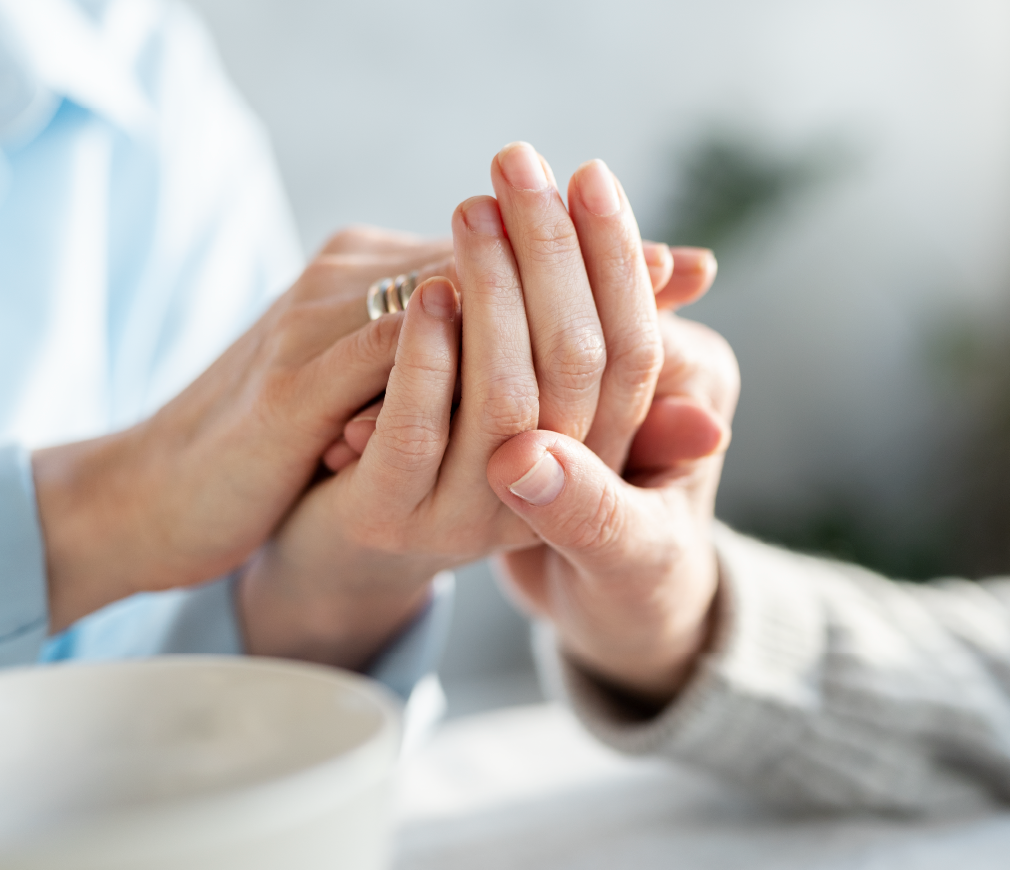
column 142, row 228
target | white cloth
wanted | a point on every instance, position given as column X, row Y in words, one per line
column 527, row 787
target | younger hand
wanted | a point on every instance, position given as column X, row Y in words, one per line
column 188, row 494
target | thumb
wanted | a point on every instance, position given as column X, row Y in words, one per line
column 577, row 504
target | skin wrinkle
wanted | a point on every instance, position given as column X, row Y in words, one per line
column 551, row 245
column 619, row 265
column 636, row 367
column 508, row 409
column 596, row 533
column 410, row 437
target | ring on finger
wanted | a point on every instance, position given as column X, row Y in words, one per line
column 388, row 295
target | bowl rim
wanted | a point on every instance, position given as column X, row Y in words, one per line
column 222, row 815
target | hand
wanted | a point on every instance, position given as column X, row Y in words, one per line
column 188, row 494
column 548, row 336
column 628, row 574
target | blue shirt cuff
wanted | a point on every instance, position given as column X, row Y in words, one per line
column 204, row 620
column 197, row 620
column 24, row 601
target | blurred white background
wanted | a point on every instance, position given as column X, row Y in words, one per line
column 390, row 112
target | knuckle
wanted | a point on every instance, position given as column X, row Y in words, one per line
column 355, row 237
column 695, row 352
column 495, row 285
column 509, row 405
column 576, row 361
column 323, row 278
column 618, row 265
column 637, row 363
column 551, row 239
column 417, row 367
column 407, row 439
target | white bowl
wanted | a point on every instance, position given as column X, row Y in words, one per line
column 194, row 762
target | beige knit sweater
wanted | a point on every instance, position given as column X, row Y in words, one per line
column 829, row 685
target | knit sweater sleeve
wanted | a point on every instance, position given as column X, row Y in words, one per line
column 828, row 685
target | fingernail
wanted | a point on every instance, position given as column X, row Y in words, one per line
column 712, row 262
column 482, row 216
column 370, row 414
column 656, row 254
column 542, row 483
column 694, row 260
column 521, row 167
column 550, row 173
column 438, row 299
column 599, row 189
column 364, row 417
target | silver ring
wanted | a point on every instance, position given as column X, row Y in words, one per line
column 389, row 295
column 393, row 295
column 375, row 298
column 405, row 285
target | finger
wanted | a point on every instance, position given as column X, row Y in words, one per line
column 403, row 455
column 695, row 398
column 694, row 270
column 660, row 262
column 364, row 239
column 359, row 429
column 698, row 364
column 498, row 393
column 622, row 288
column 352, row 443
column 328, row 390
column 342, row 281
column 578, row 505
column 569, row 355
column 674, row 432
column 339, row 455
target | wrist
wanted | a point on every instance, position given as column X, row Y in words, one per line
column 647, row 652
column 338, row 623
column 92, row 525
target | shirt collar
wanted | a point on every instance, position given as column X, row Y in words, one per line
column 51, row 49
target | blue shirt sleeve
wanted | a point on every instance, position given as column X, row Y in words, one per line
column 196, row 620
column 204, row 620
column 24, row 611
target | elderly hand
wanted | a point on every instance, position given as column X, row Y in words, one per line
column 190, row 493
column 627, row 571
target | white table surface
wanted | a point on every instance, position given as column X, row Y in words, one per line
column 527, row 788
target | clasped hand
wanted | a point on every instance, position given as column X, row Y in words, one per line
column 582, row 442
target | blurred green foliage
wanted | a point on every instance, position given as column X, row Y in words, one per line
column 958, row 519
column 730, row 180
